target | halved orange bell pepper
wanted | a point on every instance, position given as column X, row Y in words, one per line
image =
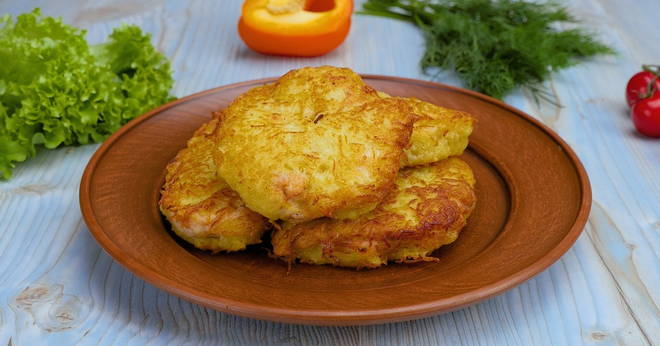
column 295, row 27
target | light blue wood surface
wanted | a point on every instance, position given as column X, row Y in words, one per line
column 58, row 287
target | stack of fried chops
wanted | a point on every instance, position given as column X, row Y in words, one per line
column 342, row 174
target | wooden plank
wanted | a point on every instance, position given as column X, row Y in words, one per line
column 57, row 285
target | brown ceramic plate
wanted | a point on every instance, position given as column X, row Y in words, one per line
column 533, row 201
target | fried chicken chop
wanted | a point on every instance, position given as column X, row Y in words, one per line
column 318, row 142
column 427, row 209
column 438, row 132
column 201, row 207
column 206, row 212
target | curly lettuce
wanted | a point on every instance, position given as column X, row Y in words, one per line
column 57, row 90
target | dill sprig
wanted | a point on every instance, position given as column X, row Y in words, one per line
column 494, row 45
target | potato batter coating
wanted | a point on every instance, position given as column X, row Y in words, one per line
column 318, row 142
column 201, row 207
column 438, row 132
column 427, row 209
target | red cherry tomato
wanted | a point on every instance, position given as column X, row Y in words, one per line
column 646, row 115
column 638, row 86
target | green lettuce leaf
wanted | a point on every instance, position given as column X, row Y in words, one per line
column 56, row 89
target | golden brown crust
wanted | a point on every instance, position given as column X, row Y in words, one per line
column 438, row 132
column 318, row 142
column 201, row 207
column 426, row 210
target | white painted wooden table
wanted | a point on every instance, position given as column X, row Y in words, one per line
column 58, row 287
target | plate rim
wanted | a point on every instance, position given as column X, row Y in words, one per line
column 324, row 317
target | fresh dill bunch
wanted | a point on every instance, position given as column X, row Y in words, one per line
column 493, row 45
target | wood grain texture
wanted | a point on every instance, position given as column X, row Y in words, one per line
column 58, row 287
